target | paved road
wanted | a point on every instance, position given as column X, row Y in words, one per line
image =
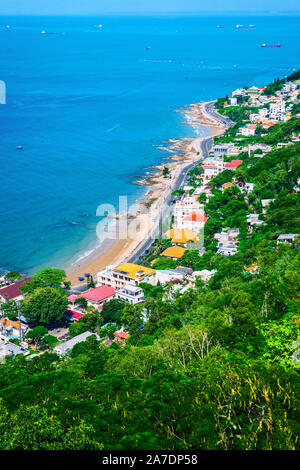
column 212, row 111
column 180, row 182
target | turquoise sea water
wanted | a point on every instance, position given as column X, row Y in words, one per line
column 89, row 106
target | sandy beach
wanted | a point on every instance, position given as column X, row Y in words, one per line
column 184, row 152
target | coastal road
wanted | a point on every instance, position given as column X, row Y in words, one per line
column 179, row 183
column 211, row 110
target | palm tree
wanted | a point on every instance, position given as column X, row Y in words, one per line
column 81, row 302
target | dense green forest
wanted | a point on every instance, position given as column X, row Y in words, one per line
column 213, row 368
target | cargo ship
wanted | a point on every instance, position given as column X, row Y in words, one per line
column 270, row 45
column 250, row 26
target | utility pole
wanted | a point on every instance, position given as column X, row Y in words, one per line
column 20, row 331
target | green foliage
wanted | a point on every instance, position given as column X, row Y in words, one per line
column 178, row 192
column 166, row 171
column 132, row 318
column 81, row 302
column 10, row 309
column 33, row 428
column 91, row 321
column 279, row 340
column 273, row 87
column 77, row 328
column 37, row 334
column 151, row 291
column 50, row 340
column 44, row 305
column 112, row 311
column 213, row 368
column 48, row 277
column 13, row 276
column 164, row 263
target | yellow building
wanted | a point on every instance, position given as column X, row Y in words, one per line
column 174, row 252
column 126, row 273
column 181, row 236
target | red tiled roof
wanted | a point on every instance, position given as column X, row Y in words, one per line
column 13, row 291
column 72, row 298
column 233, row 164
column 75, row 315
column 97, row 294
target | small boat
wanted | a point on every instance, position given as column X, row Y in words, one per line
column 19, row 147
column 148, row 48
column 7, row 26
column 239, row 26
column 218, row 26
column 43, row 32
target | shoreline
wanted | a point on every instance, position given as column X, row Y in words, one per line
column 182, row 153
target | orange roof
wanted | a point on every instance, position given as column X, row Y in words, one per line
column 14, row 324
column 174, row 252
column 181, row 235
column 254, row 266
column 121, row 334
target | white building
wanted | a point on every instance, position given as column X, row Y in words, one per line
column 265, row 204
column 277, row 110
column 287, row 237
column 183, row 208
column 263, row 112
column 212, row 167
column 205, row 275
column 248, row 130
column 233, row 101
column 66, row 346
column 194, row 221
column 253, row 219
column 222, row 149
column 164, row 276
column 131, row 294
column 227, row 241
column 238, row 92
column 254, row 117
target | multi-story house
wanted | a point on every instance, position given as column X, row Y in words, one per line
column 212, row 167
column 127, row 273
column 131, row 294
column 183, row 208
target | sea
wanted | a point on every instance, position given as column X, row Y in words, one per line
column 90, row 106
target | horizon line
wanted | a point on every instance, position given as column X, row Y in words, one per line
column 146, row 13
